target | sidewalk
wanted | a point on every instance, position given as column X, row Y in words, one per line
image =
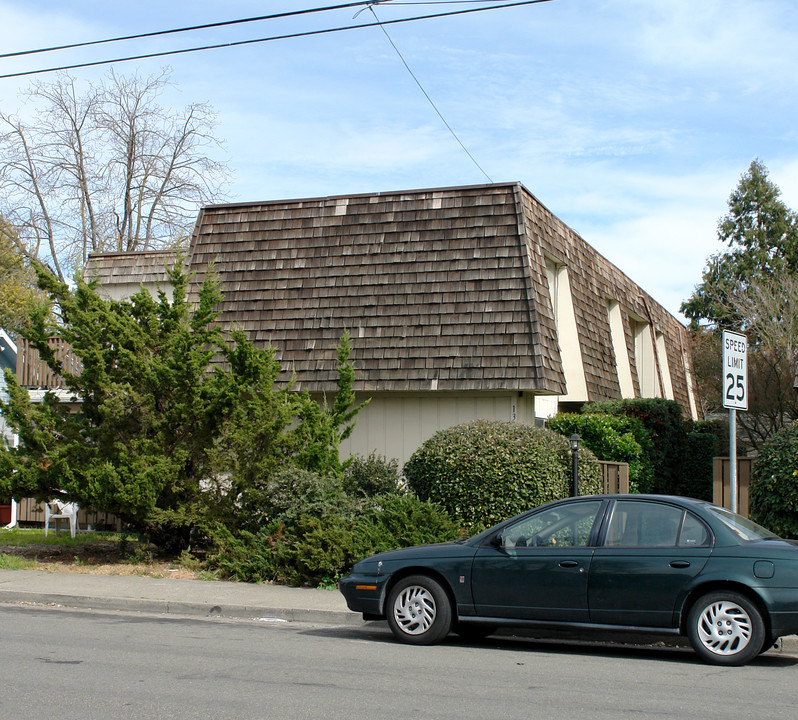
column 176, row 596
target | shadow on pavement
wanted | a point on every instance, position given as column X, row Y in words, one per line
column 675, row 650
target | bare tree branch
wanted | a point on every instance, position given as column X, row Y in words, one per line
column 105, row 169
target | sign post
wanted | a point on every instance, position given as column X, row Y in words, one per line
column 735, row 396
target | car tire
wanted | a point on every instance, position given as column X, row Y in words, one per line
column 726, row 628
column 419, row 611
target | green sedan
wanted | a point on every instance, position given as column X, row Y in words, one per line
column 646, row 563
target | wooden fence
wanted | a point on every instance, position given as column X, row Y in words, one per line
column 721, row 486
column 30, row 512
column 614, row 477
column 33, row 372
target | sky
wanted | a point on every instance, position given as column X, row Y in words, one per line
column 631, row 120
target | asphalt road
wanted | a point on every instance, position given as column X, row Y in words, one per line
column 85, row 665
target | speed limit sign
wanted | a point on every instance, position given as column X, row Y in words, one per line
column 735, row 370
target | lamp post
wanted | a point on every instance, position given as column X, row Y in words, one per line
column 575, row 440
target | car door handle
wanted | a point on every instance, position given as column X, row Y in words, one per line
column 568, row 563
column 680, row 564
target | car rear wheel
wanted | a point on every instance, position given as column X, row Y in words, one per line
column 419, row 611
column 726, row 628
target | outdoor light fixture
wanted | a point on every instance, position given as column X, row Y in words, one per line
column 575, row 440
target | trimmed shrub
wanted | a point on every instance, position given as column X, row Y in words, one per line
column 486, row 471
column 370, row 476
column 774, row 485
column 610, row 437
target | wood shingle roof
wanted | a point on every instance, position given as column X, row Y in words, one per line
column 441, row 289
column 432, row 286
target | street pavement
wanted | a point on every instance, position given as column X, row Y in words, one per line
column 208, row 598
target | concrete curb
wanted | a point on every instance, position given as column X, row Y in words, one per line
column 178, row 607
column 171, row 596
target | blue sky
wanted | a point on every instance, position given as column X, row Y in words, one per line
column 631, row 120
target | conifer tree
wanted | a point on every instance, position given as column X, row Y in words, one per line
column 177, row 427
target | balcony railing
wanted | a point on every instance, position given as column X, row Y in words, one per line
column 33, row 372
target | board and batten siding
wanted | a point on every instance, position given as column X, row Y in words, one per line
column 396, row 426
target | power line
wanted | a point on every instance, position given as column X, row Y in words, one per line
column 288, row 36
column 191, row 28
column 429, row 99
column 226, row 23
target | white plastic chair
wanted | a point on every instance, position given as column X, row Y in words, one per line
column 63, row 510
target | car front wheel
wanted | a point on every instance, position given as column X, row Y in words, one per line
column 419, row 611
column 726, row 628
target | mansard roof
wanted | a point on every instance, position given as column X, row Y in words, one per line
column 440, row 289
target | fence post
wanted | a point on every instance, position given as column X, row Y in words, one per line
column 721, row 483
column 614, row 477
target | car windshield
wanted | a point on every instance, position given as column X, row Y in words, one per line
column 741, row 526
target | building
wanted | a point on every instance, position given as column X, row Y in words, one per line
column 462, row 303
column 8, row 360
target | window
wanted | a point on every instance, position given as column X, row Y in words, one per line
column 642, row 524
column 562, row 527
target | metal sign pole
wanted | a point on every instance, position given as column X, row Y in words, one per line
column 735, row 397
column 733, row 459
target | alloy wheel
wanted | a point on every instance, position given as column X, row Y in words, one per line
column 724, row 628
column 415, row 610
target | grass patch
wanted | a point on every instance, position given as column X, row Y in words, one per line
column 19, row 537
column 105, row 553
column 15, row 562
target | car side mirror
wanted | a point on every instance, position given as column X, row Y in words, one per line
column 497, row 540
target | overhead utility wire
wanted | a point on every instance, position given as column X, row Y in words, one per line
column 429, row 99
column 289, row 36
column 191, row 28
column 225, row 23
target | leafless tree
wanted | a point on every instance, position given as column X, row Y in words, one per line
column 105, row 169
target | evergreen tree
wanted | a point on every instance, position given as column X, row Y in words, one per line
column 751, row 287
column 761, row 234
column 177, row 427
column 17, row 280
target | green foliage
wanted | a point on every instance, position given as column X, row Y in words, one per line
column 483, row 472
column 317, row 549
column 761, row 234
column 396, row 521
column 14, row 562
column 293, row 492
column 344, row 409
column 322, row 428
column 611, row 437
column 677, row 451
column 667, row 431
column 373, row 475
column 751, row 286
column 180, row 428
column 774, row 485
column 704, row 441
column 17, row 281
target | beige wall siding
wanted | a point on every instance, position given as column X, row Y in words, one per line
column 396, row 426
